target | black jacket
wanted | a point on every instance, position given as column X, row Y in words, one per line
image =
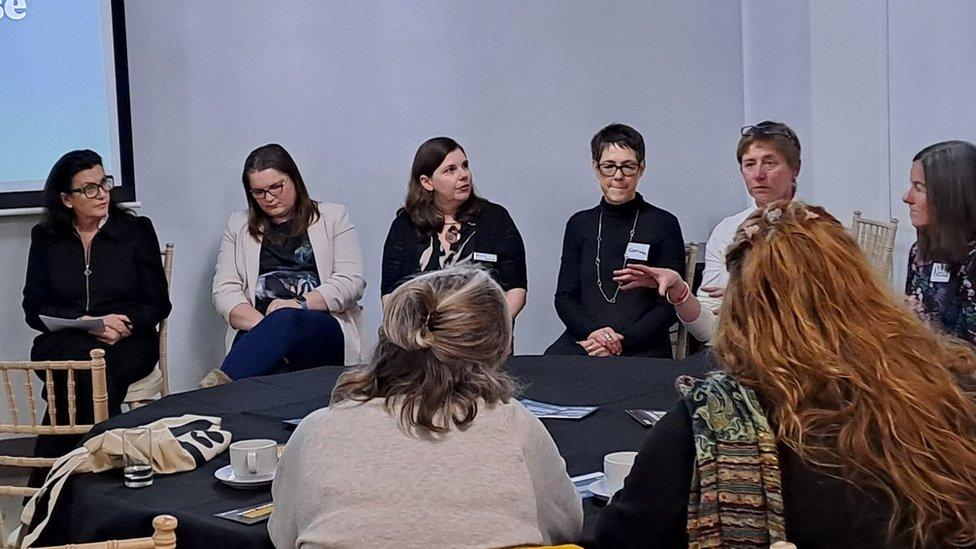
column 125, row 275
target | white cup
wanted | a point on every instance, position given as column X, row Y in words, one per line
column 616, row 467
column 254, row 458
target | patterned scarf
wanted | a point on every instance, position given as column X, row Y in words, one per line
column 736, row 496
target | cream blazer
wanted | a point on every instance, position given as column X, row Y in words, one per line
column 337, row 258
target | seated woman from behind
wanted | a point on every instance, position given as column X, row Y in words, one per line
column 838, row 419
column 427, row 446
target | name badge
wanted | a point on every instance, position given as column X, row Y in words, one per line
column 637, row 251
column 940, row 272
column 481, row 256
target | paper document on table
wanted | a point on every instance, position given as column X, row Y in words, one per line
column 543, row 410
column 249, row 515
column 582, row 483
column 647, row 418
column 54, row 323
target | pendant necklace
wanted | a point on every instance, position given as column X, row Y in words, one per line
column 453, row 234
column 599, row 238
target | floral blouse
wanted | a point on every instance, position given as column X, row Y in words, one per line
column 946, row 305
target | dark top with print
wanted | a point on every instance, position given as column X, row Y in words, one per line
column 287, row 266
column 947, row 305
column 489, row 239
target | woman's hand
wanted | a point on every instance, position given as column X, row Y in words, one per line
column 642, row 276
column 109, row 336
column 603, row 342
column 120, row 324
column 283, row 304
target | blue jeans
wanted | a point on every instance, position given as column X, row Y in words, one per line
column 286, row 340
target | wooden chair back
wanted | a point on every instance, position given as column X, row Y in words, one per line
column 143, row 391
column 877, row 241
column 691, row 261
column 167, row 254
column 164, row 537
column 28, row 423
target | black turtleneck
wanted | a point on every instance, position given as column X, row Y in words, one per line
column 640, row 315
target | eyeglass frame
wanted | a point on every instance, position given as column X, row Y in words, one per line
column 615, row 166
column 90, row 190
column 273, row 189
column 770, row 130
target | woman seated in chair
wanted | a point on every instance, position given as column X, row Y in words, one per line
column 624, row 228
column 427, row 446
column 836, row 420
column 289, row 276
column 89, row 258
column 443, row 222
column 941, row 283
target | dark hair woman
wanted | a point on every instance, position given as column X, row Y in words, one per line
column 941, row 198
column 623, row 228
column 443, row 222
column 837, row 419
column 91, row 259
column 289, row 276
column 421, row 446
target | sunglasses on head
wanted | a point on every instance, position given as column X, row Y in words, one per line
column 769, row 129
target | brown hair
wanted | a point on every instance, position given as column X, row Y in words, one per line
column 950, row 186
column 419, row 204
column 852, row 381
column 274, row 156
column 442, row 348
column 777, row 134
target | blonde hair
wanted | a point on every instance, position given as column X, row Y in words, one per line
column 854, row 383
column 442, row 348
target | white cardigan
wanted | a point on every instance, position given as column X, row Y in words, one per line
column 337, row 259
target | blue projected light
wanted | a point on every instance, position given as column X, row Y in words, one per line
column 59, row 91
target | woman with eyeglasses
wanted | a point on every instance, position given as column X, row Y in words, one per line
column 941, row 283
column 769, row 160
column 624, row 228
column 89, row 258
column 289, row 276
column 443, row 222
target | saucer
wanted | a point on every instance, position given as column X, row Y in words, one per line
column 226, row 475
column 599, row 489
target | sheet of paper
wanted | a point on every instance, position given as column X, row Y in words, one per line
column 252, row 514
column 87, row 324
column 583, row 482
column 543, row 410
column 647, row 418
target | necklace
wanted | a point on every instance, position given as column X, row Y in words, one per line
column 599, row 238
column 453, row 232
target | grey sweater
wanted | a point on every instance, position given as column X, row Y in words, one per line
column 351, row 477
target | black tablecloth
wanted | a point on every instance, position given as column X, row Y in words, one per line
column 98, row 507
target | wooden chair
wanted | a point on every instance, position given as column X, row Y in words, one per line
column 164, row 537
column 16, row 426
column 877, row 241
column 691, row 261
column 157, row 382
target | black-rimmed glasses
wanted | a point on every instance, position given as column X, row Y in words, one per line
column 273, row 190
column 769, row 129
column 610, row 169
column 90, row 190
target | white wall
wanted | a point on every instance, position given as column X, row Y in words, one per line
column 351, row 90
